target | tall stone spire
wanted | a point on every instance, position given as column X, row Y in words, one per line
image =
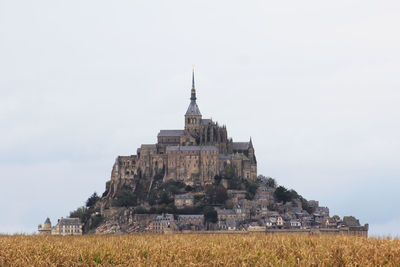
column 193, row 94
column 193, row 109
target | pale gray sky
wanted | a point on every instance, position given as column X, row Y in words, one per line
column 315, row 83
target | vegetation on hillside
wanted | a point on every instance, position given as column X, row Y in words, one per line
column 157, row 197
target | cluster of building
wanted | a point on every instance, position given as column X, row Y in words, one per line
column 64, row 226
column 259, row 214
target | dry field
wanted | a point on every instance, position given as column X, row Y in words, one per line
column 198, row 250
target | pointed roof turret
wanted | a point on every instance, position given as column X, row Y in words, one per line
column 193, row 109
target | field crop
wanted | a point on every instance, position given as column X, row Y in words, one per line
column 198, row 250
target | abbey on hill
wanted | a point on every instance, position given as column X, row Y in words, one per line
column 198, row 179
column 194, row 155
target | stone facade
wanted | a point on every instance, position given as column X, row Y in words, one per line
column 46, row 229
column 183, row 201
column 65, row 226
column 193, row 155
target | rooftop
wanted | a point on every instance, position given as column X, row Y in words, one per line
column 191, row 148
column 193, row 109
column 69, row 221
column 241, row 145
column 166, row 133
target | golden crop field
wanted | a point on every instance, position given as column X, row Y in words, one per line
column 198, row 250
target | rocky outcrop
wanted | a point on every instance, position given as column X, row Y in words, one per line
column 124, row 220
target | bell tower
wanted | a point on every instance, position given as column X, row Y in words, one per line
column 193, row 115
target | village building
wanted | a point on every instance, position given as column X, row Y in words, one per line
column 67, row 226
column 46, row 229
column 163, row 223
column 183, row 201
column 194, row 222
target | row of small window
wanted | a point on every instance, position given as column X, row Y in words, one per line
column 71, row 231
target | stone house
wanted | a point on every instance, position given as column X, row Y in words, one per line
column 229, row 224
column 270, row 223
column 295, row 223
column 225, row 214
column 163, row 223
column 280, row 222
column 194, row 222
column 67, row 226
column 183, row 201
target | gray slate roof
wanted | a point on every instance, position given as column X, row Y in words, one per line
column 166, row 133
column 225, row 211
column 184, row 197
column 241, row 145
column 225, row 156
column 191, row 216
column 165, row 217
column 191, row 148
column 193, row 109
column 205, row 121
column 69, row 221
column 47, row 220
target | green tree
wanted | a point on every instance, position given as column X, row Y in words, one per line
column 210, row 215
column 96, row 220
column 82, row 213
column 92, row 200
column 216, row 194
column 125, row 197
column 251, row 189
column 282, row 194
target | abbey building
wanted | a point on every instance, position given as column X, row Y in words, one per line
column 193, row 155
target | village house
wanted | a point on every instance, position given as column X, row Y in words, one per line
column 163, row 223
column 194, row 222
column 270, row 224
column 254, row 227
column 295, row 223
column 224, row 214
column 67, row 226
column 280, row 222
column 229, row 224
column 183, row 201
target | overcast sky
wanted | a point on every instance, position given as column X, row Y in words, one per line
column 316, row 84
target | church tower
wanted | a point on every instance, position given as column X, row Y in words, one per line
column 193, row 115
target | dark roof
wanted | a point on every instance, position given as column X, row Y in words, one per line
column 47, row 220
column 191, row 148
column 206, row 121
column 225, row 156
column 226, row 211
column 241, row 145
column 184, row 197
column 171, row 133
column 69, row 221
column 165, row 217
column 193, row 109
column 350, row 221
column 191, row 216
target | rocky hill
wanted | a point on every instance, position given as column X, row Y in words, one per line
column 230, row 203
